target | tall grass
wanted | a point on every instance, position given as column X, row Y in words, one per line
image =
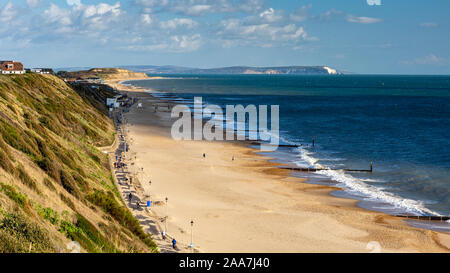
column 58, row 130
column 20, row 235
column 109, row 204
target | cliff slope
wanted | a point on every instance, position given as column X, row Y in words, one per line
column 55, row 185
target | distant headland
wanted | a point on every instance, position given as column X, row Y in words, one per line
column 103, row 73
column 291, row 70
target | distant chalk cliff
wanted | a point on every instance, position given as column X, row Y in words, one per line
column 282, row 70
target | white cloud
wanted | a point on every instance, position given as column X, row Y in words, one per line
column 73, row 2
column 334, row 14
column 200, row 7
column 250, row 6
column 329, row 15
column 187, row 43
column 152, row 3
column 175, row 43
column 58, row 15
column 101, row 9
column 262, row 31
column 301, row 14
column 362, row 20
column 8, row 12
column 270, row 15
column 432, row 59
column 33, row 3
column 146, row 19
column 197, row 10
column 108, row 24
column 429, row 24
column 79, row 16
column 178, row 22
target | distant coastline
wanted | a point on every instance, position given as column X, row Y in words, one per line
column 276, row 70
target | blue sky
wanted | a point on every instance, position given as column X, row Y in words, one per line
column 396, row 37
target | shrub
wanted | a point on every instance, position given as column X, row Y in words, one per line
column 84, row 186
column 18, row 234
column 48, row 214
column 75, row 233
column 18, row 140
column 68, row 183
column 15, row 196
column 11, row 243
column 5, row 163
column 49, row 184
column 5, row 157
column 68, row 229
column 50, row 168
column 67, row 200
column 108, row 203
column 95, row 158
column 94, row 235
column 43, row 148
column 12, row 108
column 26, row 179
column 4, row 146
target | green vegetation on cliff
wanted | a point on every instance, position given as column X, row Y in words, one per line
column 55, row 185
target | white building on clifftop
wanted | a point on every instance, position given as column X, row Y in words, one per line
column 11, row 67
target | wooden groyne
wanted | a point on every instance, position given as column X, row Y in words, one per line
column 304, row 169
column 425, row 218
column 280, row 145
column 313, row 169
column 326, row 169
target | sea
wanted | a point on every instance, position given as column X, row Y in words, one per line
column 400, row 123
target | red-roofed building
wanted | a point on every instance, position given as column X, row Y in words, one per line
column 11, row 67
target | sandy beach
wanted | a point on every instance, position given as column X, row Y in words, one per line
column 249, row 205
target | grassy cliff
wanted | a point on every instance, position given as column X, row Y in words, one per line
column 55, row 185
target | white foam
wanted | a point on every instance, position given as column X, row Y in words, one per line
column 306, row 156
column 357, row 185
column 371, row 180
column 378, row 194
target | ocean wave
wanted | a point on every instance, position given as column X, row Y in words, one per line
column 351, row 183
column 372, row 180
column 306, row 156
column 375, row 193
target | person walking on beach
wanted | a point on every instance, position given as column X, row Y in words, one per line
column 204, row 155
column 163, row 234
column 174, row 243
